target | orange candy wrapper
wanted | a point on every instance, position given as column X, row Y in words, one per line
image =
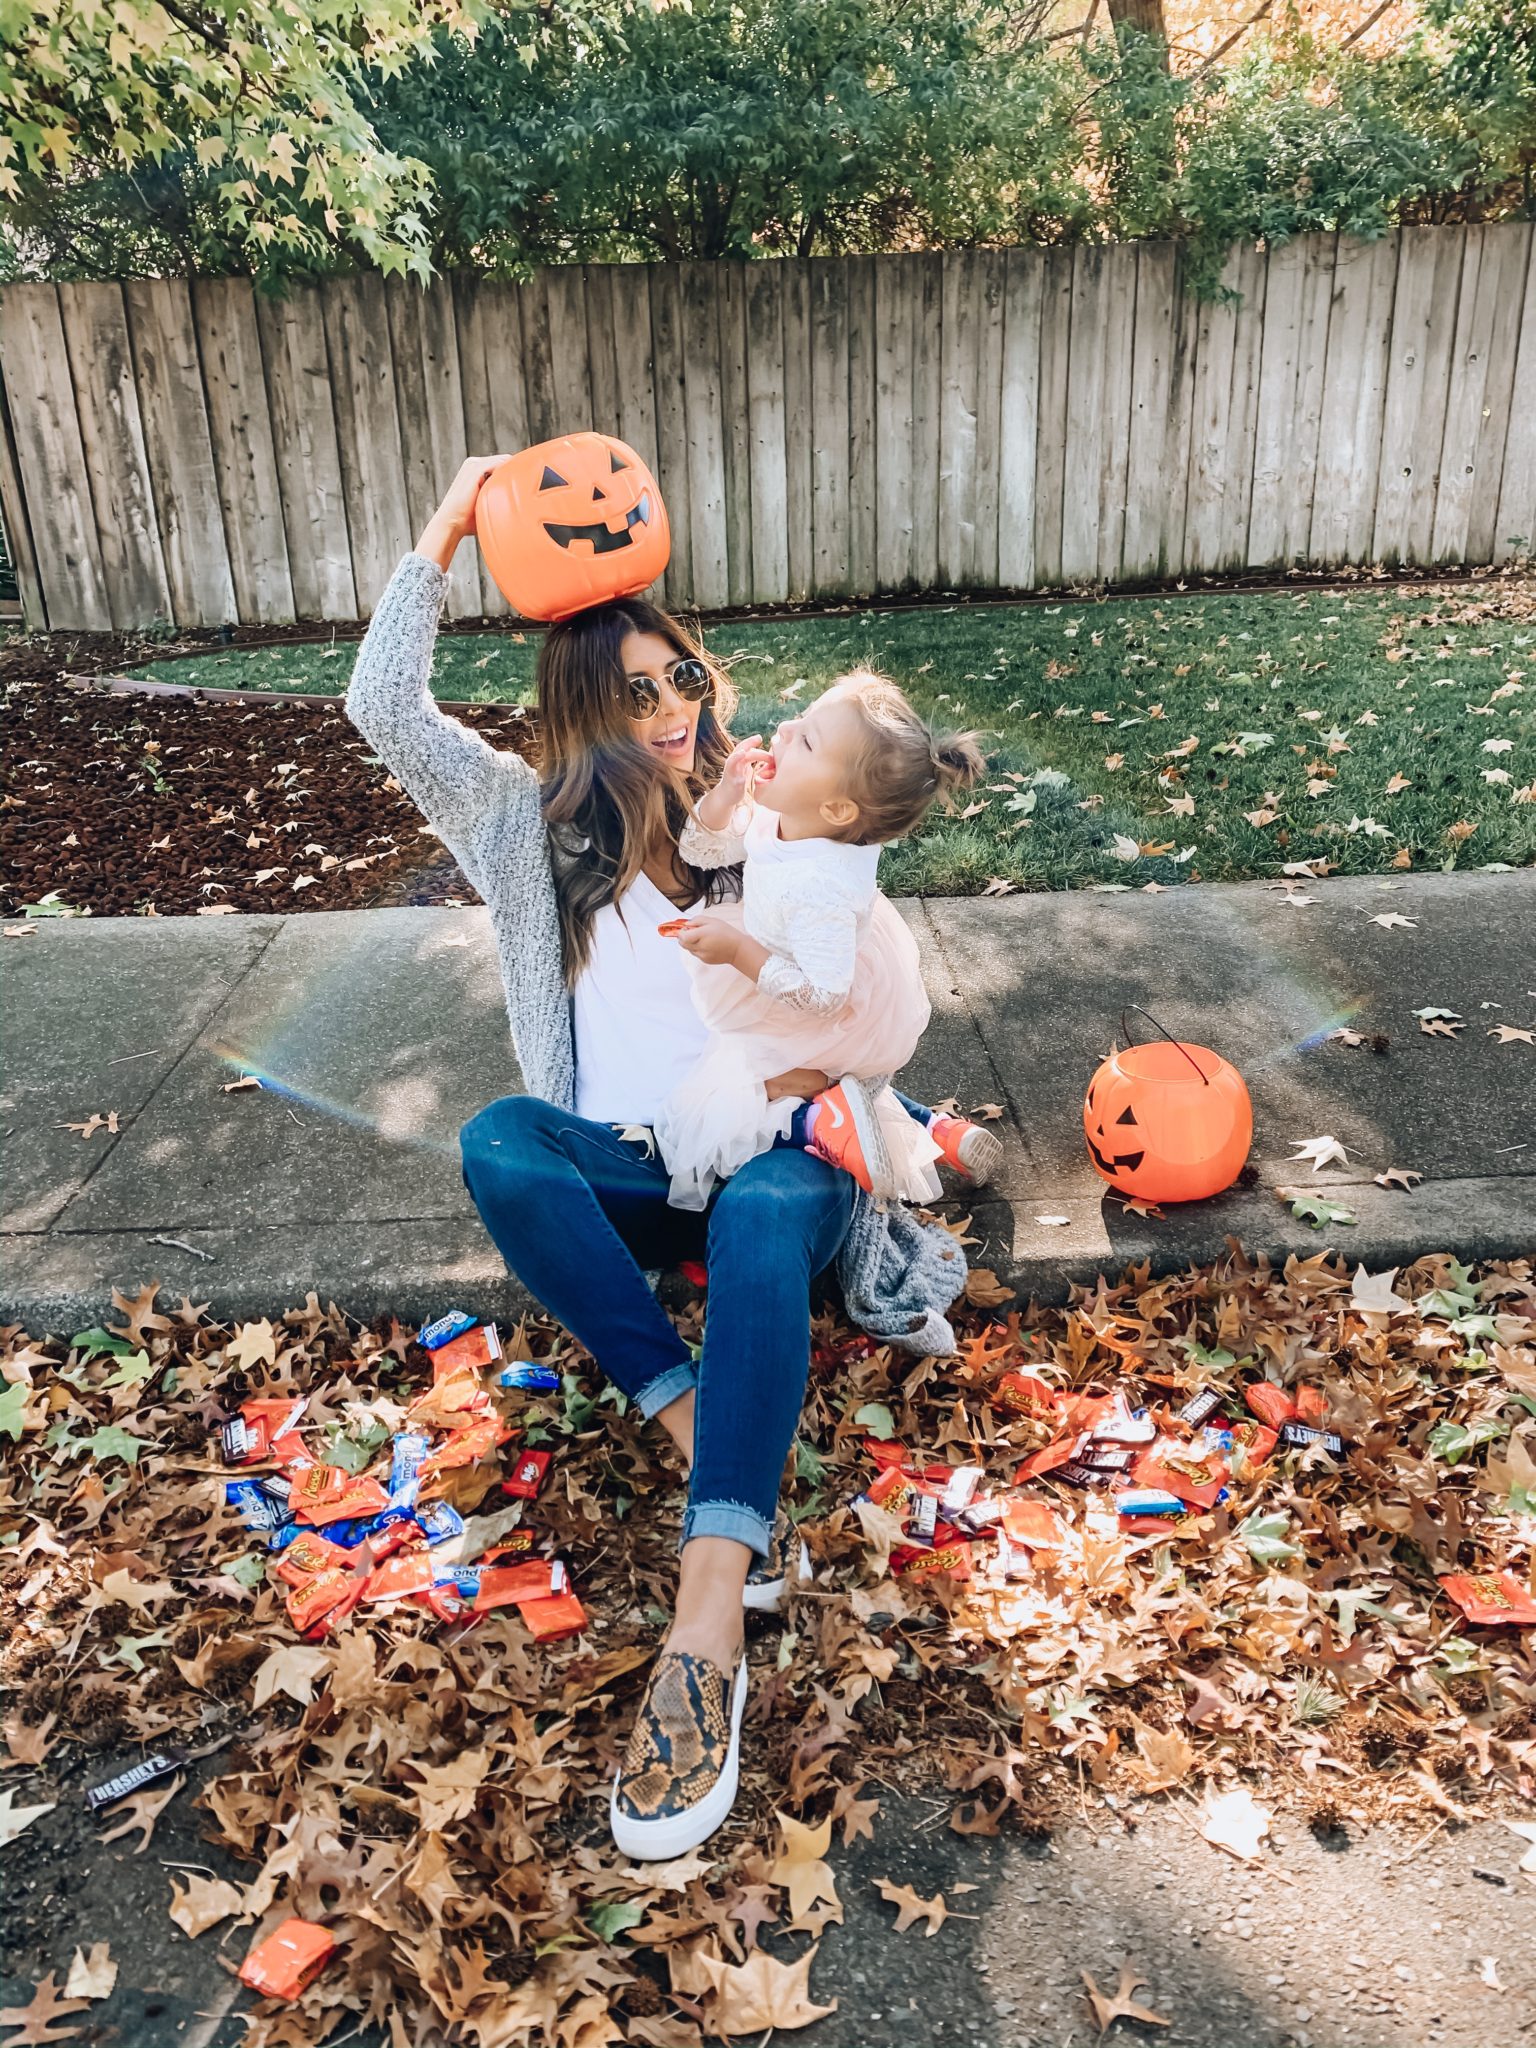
column 1492, row 1598
column 1192, row 1471
column 1033, row 1525
column 466, row 1446
column 1271, row 1404
column 517, row 1585
column 324, row 1600
column 547, row 1620
column 309, row 1554
column 289, row 1960
column 324, row 1493
column 1025, row 1393
column 400, row 1577
column 472, row 1352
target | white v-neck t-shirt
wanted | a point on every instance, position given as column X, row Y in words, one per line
column 635, row 1030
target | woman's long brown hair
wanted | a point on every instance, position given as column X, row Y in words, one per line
column 607, row 802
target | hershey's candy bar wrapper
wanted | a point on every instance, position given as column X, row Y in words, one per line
column 1301, row 1436
column 160, row 1765
column 1200, row 1407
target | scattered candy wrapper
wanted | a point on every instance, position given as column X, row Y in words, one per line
column 528, row 1475
column 263, row 1506
column 289, row 1960
column 1492, row 1598
column 547, row 1620
column 529, row 1378
column 439, row 1522
column 324, row 1493
column 1032, row 1524
column 1024, row 1393
column 400, row 1577
column 264, row 1429
column 952, row 1558
column 1201, row 1406
column 308, row 1555
column 160, row 1765
column 406, row 1455
column 1271, row 1404
column 1197, row 1472
column 453, row 1324
column 475, row 1349
column 466, row 1446
column 1306, row 1436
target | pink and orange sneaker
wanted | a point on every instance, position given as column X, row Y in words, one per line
column 846, row 1133
column 966, row 1147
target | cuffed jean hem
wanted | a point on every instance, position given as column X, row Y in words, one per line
column 662, row 1391
column 727, row 1518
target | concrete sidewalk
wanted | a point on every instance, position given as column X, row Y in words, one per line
column 386, row 1030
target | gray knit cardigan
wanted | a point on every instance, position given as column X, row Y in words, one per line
column 898, row 1275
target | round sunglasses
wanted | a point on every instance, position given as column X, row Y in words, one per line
column 689, row 677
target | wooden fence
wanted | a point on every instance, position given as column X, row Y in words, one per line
column 991, row 419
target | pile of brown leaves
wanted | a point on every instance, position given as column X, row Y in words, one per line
column 435, row 1795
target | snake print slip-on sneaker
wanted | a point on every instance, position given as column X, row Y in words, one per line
column 677, row 1782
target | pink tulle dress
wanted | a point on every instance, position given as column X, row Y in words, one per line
column 843, row 992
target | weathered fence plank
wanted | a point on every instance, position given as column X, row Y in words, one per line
column 244, row 457
column 51, row 459
column 106, row 395
column 1019, row 417
column 308, row 460
column 819, row 427
column 18, row 526
column 1514, row 530
column 367, row 432
column 179, row 451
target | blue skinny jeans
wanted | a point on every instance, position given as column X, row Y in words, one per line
column 579, row 1213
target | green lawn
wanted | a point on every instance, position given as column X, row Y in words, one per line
column 1149, row 740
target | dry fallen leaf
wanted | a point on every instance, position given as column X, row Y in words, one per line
column 1123, row 2005
column 38, row 2020
column 1511, row 1034
column 1324, row 1151
column 1166, row 1758
column 293, row 1669
column 99, row 1121
column 141, row 1810
column 1372, row 1292
column 1235, row 1821
column 14, row 1818
column 912, row 1908
column 91, row 1975
column 1398, row 1176
column 205, row 1902
column 799, row 1866
column 761, row 1992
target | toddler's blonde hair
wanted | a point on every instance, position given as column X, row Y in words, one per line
column 904, row 766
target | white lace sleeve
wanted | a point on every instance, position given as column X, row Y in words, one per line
column 702, row 848
column 820, row 974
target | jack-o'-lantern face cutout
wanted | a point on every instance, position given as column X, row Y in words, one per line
column 1167, row 1123
column 572, row 523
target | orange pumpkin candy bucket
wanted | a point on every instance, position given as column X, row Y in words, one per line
column 1166, row 1121
column 570, row 523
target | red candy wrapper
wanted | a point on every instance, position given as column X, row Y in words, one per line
column 1492, row 1598
column 1256, row 1441
column 1194, row 1472
column 517, row 1585
column 1033, row 1525
column 324, row 1599
column 288, row 1961
column 400, row 1577
column 472, row 1352
column 466, row 1446
column 1056, row 1454
column 953, row 1559
column 547, row 1620
column 527, row 1474
column 309, row 1554
column 265, row 1429
column 1271, row 1404
column 324, row 1493
column 1025, row 1393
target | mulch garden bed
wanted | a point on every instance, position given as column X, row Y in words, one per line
column 427, row 1779
column 164, row 806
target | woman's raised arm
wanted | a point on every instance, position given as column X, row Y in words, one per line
column 449, row 772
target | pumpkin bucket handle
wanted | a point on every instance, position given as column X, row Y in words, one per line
column 1126, row 1031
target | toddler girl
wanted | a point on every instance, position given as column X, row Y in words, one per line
column 814, row 968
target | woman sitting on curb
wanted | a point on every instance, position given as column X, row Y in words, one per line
column 564, row 1177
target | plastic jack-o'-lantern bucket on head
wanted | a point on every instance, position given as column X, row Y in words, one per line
column 572, row 523
column 1167, row 1122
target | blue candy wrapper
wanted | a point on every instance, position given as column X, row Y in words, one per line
column 260, row 1508
column 440, row 1521
column 466, row 1577
column 445, row 1329
column 405, row 1468
column 532, row 1379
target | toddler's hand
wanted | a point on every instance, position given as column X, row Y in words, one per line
column 747, row 759
column 711, row 940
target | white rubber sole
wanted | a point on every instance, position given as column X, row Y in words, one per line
column 766, row 1596
column 877, row 1157
column 980, row 1155
column 658, row 1841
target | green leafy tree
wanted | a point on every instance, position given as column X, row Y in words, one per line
column 741, row 126
column 268, row 103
